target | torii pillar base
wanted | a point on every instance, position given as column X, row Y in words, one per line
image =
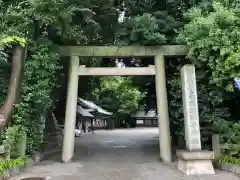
column 195, row 162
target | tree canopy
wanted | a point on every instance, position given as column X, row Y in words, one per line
column 120, row 93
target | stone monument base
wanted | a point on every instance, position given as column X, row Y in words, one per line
column 195, row 162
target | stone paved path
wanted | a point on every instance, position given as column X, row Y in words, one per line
column 128, row 154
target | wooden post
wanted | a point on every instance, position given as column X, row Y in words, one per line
column 216, row 145
column 71, row 107
column 22, row 144
column 162, row 109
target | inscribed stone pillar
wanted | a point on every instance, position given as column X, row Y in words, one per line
column 162, row 109
column 71, row 107
column 192, row 161
column 190, row 107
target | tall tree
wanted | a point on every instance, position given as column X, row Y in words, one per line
column 120, row 93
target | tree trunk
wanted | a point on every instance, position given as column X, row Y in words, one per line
column 14, row 88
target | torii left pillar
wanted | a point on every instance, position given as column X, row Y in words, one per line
column 71, row 107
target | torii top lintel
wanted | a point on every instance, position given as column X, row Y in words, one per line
column 123, row 51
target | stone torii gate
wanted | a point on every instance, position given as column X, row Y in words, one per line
column 75, row 70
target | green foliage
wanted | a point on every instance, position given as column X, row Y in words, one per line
column 13, row 139
column 212, row 39
column 50, row 18
column 41, row 70
column 6, row 40
column 39, row 81
column 210, row 110
column 164, row 16
column 12, row 134
column 138, row 7
column 3, row 55
column 229, row 133
column 119, row 92
column 4, row 75
column 41, row 24
column 6, row 164
column 227, row 159
column 142, row 28
column 229, row 3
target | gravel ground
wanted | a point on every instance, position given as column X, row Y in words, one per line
column 126, row 154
